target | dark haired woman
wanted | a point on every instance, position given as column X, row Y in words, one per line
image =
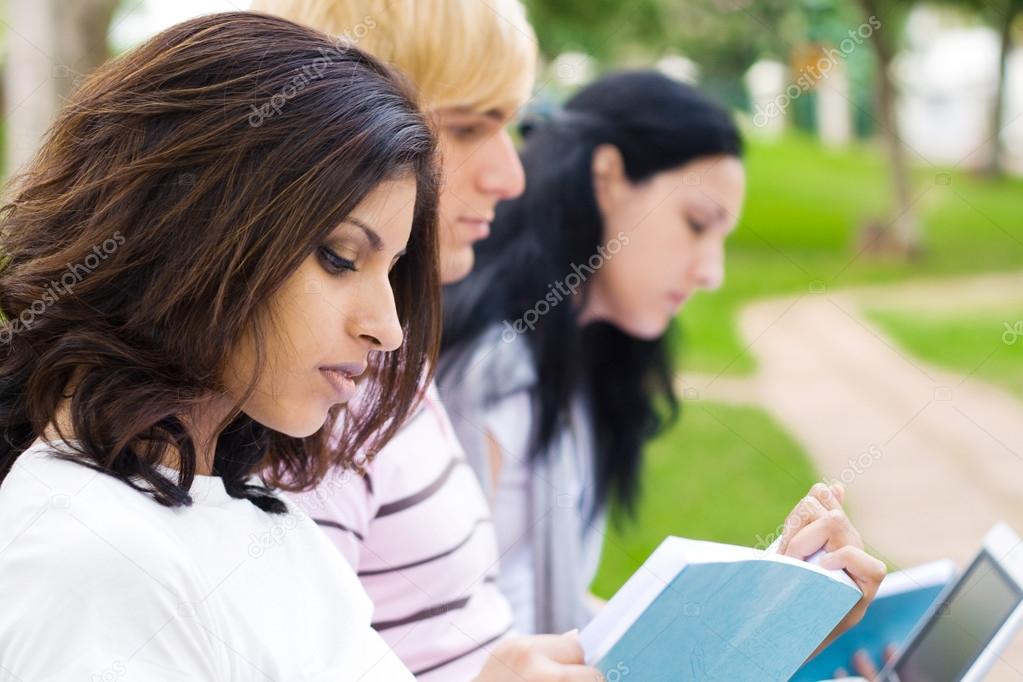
column 555, row 364
column 191, row 297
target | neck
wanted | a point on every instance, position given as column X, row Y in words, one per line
column 589, row 312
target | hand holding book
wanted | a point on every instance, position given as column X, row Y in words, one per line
column 819, row 522
column 538, row 658
column 707, row 611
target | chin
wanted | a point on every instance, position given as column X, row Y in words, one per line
column 300, row 425
column 457, row 266
column 300, row 431
column 647, row 330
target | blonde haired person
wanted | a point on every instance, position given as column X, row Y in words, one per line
column 417, row 527
column 473, row 64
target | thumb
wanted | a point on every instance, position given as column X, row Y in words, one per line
column 564, row 648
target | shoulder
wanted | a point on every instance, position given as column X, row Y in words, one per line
column 87, row 565
column 417, row 455
column 84, row 520
column 495, row 364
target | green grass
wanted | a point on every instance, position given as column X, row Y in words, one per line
column 723, row 473
column 970, row 344
column 803, row 212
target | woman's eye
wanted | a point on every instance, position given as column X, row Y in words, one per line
column 334, row 263
column 696, row 226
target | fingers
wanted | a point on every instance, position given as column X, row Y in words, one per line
column 831, row 496
column 575, row 673
column 866, row 571
column 808, row 510
column 889, row 653
column 820, row 500
column 831, row 531
column 538, row 658
column 560, row 648
column 864, row 666
column 566, row 656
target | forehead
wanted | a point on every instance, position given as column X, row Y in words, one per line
column 387, row 210
column 716, row 185
column 719, row 174
column 719, row 170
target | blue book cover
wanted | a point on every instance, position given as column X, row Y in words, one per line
column 706, row 611
column 902, row 600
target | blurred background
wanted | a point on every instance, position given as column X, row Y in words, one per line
column 870, row 329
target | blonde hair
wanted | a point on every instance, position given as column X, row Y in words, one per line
column 477, row 54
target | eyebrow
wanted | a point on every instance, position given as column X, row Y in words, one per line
column 495, row 114
column 374, row 238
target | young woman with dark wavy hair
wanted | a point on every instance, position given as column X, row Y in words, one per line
column 226, row 230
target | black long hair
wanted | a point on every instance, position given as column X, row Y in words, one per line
column 657, row 124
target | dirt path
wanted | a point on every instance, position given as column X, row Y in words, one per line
column 931, row 458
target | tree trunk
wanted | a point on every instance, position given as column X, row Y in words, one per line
column 996, row 162
column 53, row 45
column 81, row 28
column 29, row 87
column 903, row 229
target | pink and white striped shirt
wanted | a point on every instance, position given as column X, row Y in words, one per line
column 418, row 532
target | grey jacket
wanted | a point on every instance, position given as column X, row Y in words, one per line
column 566, row 547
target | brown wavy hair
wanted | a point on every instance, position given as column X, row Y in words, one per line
column 178, row 189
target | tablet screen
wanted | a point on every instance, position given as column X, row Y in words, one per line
column 964, row 624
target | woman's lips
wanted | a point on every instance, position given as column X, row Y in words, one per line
column 479, row 227
column 342, row 381
column 677, row 299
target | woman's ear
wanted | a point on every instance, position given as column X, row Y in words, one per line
column 609, row 180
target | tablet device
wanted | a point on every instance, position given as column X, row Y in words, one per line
column 973, row 620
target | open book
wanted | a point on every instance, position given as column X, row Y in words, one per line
column 707, row 611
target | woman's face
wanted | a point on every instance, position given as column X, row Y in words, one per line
column 664, row 239
column 480, row 168
column 328, row 317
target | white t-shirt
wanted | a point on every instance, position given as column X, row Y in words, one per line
column 100, row 582
column 509, row 422
column 417, row 529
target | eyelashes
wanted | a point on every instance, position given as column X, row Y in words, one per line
column 696, row 226
column 466, row 132
column 335, row 264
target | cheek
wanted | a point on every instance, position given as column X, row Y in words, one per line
column 301, row 310
column 457, row 170
column 642, row 275
column 628, row 283
column 290, row 396
column 655, row 255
